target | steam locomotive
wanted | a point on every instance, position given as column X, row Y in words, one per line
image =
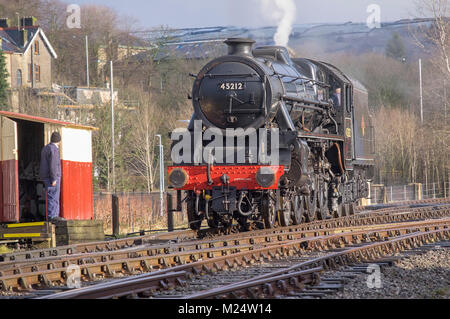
column 273, row 140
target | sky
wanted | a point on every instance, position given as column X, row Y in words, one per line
column 249, row 13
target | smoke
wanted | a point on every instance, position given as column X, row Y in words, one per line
column 283, row 13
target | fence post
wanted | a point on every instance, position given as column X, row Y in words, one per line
column 434, row 190
column 445, row 189
column 392, row 198
column 129, row 211
column 169, row 212
column 115, row 215
column 417, row 191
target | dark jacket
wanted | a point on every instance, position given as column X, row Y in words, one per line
column 50, row 163
column 336, row 100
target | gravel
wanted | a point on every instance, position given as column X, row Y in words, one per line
column 420, row 276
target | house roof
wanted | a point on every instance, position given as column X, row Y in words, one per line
column 11, row 40
column 26, row 117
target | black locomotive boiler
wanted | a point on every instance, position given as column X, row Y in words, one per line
column 317, row 115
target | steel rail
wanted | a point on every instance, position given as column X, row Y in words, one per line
column 190, row 251
column 120, row 288
column 156, row 249
column 272, row 251
column 126, row 243
column 366, row 253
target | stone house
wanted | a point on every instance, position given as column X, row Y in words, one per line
column 28, row 54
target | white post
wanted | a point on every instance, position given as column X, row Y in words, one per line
column 112, row 128
column 161, row 175
column 421, row 91
column 87, row 62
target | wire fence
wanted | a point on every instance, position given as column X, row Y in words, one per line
column 137, row 212
column 396, row 193
column 141, row 211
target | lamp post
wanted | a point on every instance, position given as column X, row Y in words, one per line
column 421, row 91
column 87, row 62
column 112, row 129
column 161, row 174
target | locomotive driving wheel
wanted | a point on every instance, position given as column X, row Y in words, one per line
column 285, row 212
column 298, row 215
column 323, row 210
column 268, row 211
column 338, row 213
column 311, row 201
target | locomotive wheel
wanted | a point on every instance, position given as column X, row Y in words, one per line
column 346, row 209
column 269, row 212
column 324, row 212
column 339, row 211
column 194, row 222
column 311, row 206
column 284, row 214
column 351, row 209
column 311, row 202
column 298, row 215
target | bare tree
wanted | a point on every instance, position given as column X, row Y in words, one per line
column 142, row 157
column 439, row 32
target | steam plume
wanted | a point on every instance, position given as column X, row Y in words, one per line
column 283, row 13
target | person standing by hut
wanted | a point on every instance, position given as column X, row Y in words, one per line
column 50, row 171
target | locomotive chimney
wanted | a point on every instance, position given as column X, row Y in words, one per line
column 239, row 46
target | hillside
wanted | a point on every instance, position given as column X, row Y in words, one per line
column 354, row 38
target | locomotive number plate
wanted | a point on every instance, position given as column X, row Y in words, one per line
column 231, row 86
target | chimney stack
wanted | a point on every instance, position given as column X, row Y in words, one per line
column 4, row 23
column 239, row 46
column 23, row 37
column 28, row 22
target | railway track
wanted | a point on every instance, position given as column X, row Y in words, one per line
column 370, row 244
column 156, row 254
column 169, row 254
column 291, row 281
column 384, row 215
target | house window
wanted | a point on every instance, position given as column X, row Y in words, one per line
column 37, row 72
column 30, row 73
column 36, row 47
column 19, row 78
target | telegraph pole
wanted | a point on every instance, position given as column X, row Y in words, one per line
column 112, row 128
column 87, row 62
column 161, row 175
column 421, row 91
